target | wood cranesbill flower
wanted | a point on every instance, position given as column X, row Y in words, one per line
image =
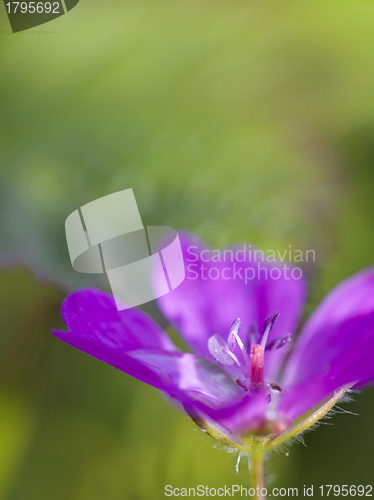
column 242, row 384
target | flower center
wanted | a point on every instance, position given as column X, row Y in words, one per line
column 252, row 365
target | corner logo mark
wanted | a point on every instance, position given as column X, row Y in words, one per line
column 25, row 15
column 142, row 263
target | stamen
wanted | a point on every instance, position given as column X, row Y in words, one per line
column 275, row 387
column 268, row 326
column 219, row 350
column 278, row 342
column 233, row 333
column 241, row 384
column 234, row 330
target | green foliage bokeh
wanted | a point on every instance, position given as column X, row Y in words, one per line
column 244, row 121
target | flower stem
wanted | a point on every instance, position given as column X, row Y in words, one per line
column 256, row 462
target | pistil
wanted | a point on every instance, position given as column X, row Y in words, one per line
column 257, row 366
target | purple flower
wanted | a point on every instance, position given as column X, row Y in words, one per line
column 238, row 382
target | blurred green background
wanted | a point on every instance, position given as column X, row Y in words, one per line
column 244, row 121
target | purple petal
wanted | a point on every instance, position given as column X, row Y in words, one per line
column 204, row 306
column 97, row 328
column 132, row 342
column 92, row 314
column 335, row 348
column 247, row 415
column 192, row 378
column 201, row 380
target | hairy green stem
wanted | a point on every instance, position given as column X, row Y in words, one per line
column 256, row 463
column 308, row 422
